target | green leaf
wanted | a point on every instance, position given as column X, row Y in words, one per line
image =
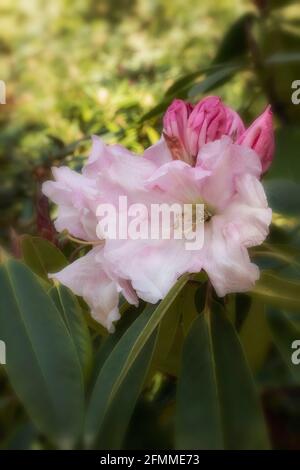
column 255, row 335
column 213, row 80
column 286, row 163
column 217, row 405
column 72, row 315
column 42, row 363
column 242, row 307
column 283, row 58
column 283, row 196
column 117, row 417
column 22, row 437
column 235, row 42
column 285, row 332
column 194, row 301
column 118, row 365
column 278, row 292
column 42, row 256
column 167, row 331
column 110, row 341
column 117, row 384
column 157, row 110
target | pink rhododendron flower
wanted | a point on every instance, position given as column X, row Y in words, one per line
column 205, row 156
column 260, row 137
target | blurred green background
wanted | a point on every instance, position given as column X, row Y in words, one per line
column 111, row 67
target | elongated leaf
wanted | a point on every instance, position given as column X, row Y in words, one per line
column 113, row 430
column 285, row 333
column 110, row 341
column 42, row 256
column 118, row 365
column 42, row 363
column 242, row 307
column 255, row 335
column 167, row 330
column 217, row 406
column 286, row 254
column 74, row 320
column 278, row 292
column 213, row 80
column 157, row 110
column 283, row 58
column 235, row 42
column 108, row 388
column 283, row 196
column 287, row 144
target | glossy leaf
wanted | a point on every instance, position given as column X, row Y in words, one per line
column 235, row 42
column 255, row 335
column 42, row 363
column 186, row 80
column 278, row 291
column 213, row 80
column 283, row 196
column 42, row 256
column 116, row 370
column 217, row 406
column 72, row 315
column 287, row 145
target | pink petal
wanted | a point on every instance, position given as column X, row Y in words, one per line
column 87, row 277
column 225, row 161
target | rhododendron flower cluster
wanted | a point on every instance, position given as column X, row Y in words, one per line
column 205, row 155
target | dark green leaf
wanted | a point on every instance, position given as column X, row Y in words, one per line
column 185, row 81
column 213, row 80
column 217, row 406
column 157, row 110
column 284, row 333
column 283, row 58
column 278, row 291
column 286, row 162
column 235, row 42
column 283, row 196
column 255, row 335
column 123, row 357
column 74, row 320
column 242, row 307
column 42, row 363
column 42, row 256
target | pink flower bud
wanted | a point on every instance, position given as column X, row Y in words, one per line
column 260, row 137
column 206, row 123
column 188, row 128
column 175, row 124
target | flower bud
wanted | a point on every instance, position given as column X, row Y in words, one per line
column 175, row 124
column 260, row 137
